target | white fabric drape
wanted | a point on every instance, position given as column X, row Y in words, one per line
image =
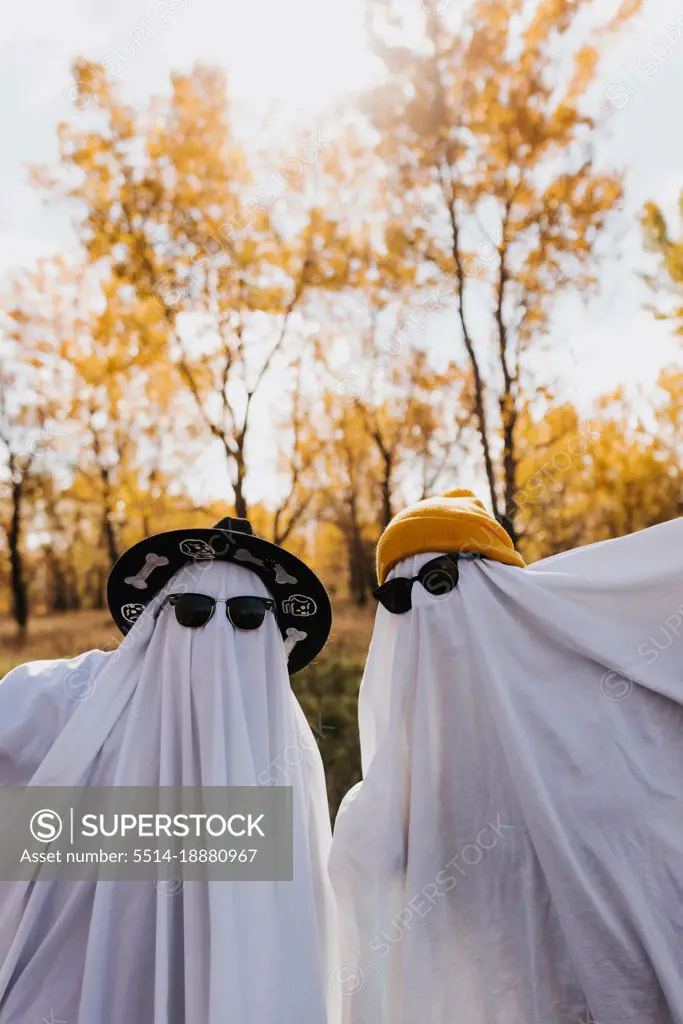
column 514, row 854
column 172, row 706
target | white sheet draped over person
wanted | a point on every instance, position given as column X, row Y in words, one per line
column 172, row 706
column 514, row 854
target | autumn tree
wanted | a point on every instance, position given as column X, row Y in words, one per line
column 669, row 415
column 411, row 411
column 75, row 572
column 204, row 272
column 665, row 242
column 18, row 460
column 582, row 480
column 298, row 451
column 27, row 408
column 490, row 155
column 403, row 419
column 348, row 472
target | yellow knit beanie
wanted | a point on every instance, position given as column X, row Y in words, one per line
column 454, row 521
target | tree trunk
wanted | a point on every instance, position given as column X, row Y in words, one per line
column 96, row 588
column 59, row 588
column 479, row 397
column 508, row 408
column 509, row 466
column 241, row 509
column 72, row 587
column 358, row 570
column 110, row 536
column 387, row 510
column 108, row 527
column 18, row 583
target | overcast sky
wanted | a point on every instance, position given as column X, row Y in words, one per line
column 305, row 54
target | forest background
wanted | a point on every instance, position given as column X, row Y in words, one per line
column 313, row 328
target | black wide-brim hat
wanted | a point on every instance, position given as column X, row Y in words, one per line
column 303, row 609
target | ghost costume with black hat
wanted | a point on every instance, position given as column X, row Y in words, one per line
column 172, row 706
column 514, row 854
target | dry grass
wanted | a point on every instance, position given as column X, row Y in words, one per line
column 351, row 632
column 57, row 636
column 71, row 633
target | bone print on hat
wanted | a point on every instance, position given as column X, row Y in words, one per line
column 242, row 555
column 282, row 576
column 152, row 562
column 292, row 638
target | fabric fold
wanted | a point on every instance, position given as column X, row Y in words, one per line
column 515, row 850
column 172, row 706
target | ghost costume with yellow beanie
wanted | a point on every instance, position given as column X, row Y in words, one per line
column 515, row 849
column 456, row 521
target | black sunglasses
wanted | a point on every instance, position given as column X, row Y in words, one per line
column 438, row 576
column 195, row 610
